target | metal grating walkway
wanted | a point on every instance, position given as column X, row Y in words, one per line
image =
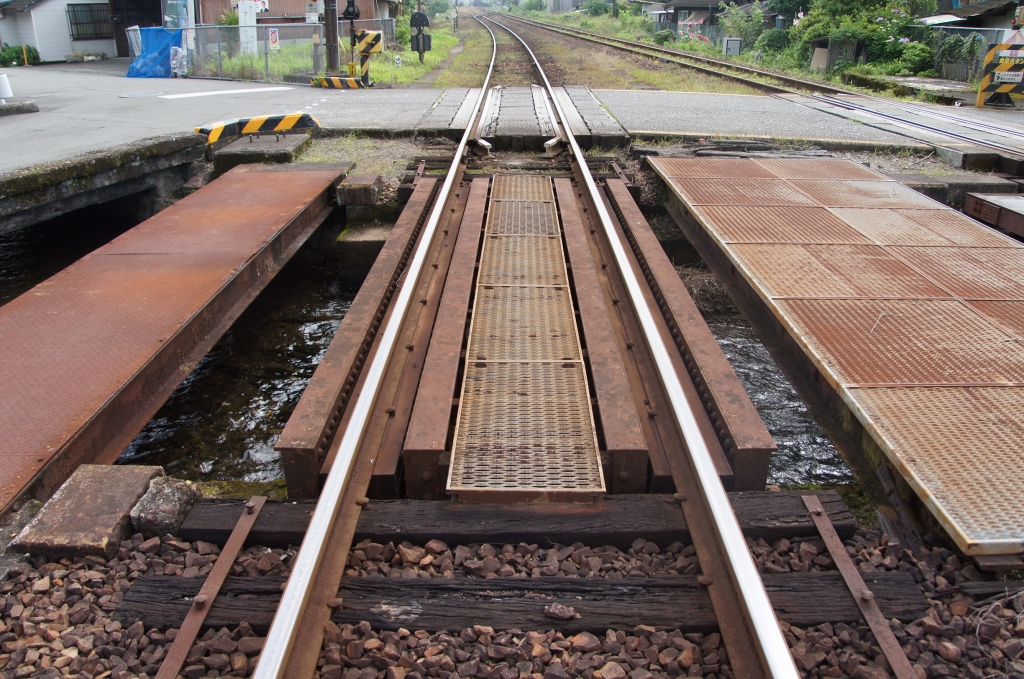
column 911, row 310
column 525, row 430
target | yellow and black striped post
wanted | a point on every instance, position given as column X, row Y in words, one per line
column 276, row 123
column 1002, row 73
column 367, row 43
column 334, row 82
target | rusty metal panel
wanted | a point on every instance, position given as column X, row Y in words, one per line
column 516, row 260
column 920, row 227
column 91, row 353
column 704, row 191
column 523, row 218
column 521, row 187
column 1008, row 315
column 903, row 342
column 960, row 450
column 874, row 194
column 712, row 167
column 525, row 428
column 512, row 323
column 972, row 273
column 760, row 224
column 824, row 169
column 798, row 270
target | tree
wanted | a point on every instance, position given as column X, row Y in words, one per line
column 790, row 9
column 741, row 22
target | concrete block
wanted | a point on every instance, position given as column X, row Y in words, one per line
column 360, row 189
column 968, row 157
column 358, row 247
column 953, row 189
column 10, row 109
column 164, row 507
column 89, row 514
column 267, row 148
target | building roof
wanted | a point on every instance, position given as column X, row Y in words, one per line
column 692, row 4
column 18, row 5
column 983, row 8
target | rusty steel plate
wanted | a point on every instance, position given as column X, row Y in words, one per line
column 920, row 227
column 961, row 450
column 525, row 426
column 1007, row 315
column 73, row 342
column 522, row 260
column 972, row 273
column 874, row 194
column 798, row 270
column 893, row 342
column 703, row 191
column 521, row 187
column 760, row 224
column 522, row 218
column 523, row 324
column 823, row 169
column 711, row 167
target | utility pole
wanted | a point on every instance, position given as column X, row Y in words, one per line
column 331, row 33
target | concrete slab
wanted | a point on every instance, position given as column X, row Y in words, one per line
column 360, row 189
column 89, row 514
column 358, row 247
column 15, row 107
column 708, row 115
column 953, row 189
column 267, row 148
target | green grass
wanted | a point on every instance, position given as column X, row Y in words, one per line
column 469, row 67
column 291, row 58
column 383, row 69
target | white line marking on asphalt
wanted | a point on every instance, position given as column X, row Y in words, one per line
column 210, row 94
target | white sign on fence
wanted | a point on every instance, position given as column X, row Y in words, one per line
column 273, row 39
column 247, row 26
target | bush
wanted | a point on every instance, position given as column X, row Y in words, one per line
column 957, row 49
column 662, row 37
column 435, row 7
column 11, row 55
column 228, row 18
column 534, row 5
column 917, row 57
column 403, row 33
column 596, row 7
column 738, row 23
column 774, row 40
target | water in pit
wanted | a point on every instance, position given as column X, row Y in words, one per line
column 222, row 422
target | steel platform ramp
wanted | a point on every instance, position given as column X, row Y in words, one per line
column 525, row 430
column 90, row 354
column 912, row 312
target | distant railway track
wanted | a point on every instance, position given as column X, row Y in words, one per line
column 777, row 83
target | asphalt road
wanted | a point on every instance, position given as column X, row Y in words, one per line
column 85, row 110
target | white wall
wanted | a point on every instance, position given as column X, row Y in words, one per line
column 16, row 29
column 50, row 33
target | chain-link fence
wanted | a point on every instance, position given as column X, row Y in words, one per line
column 267, row 52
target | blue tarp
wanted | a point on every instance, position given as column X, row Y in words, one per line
column 155, row 60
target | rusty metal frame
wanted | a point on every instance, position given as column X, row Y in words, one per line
column 740, row 428
column 203, row 602
column 620, row 425
column 865, row 599
column 429, row 425
column 303, row 443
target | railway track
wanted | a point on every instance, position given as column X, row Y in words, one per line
column 777, row 83
column 745, row 616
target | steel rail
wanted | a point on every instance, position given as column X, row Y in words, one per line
column 655, row 50
column 284, row 628
column 767, row 634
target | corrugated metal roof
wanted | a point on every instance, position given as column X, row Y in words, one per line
column 982, row 8
column 18, row 5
